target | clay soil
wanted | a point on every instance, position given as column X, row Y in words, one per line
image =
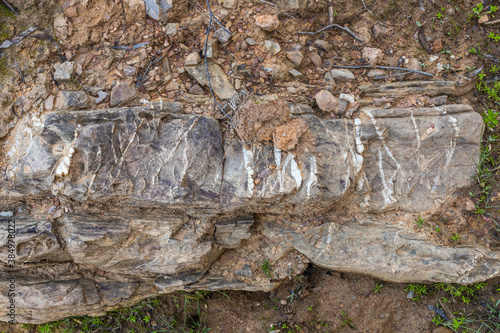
column 409, row 34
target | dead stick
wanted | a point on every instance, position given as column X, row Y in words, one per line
column 369, row 11
column 19, row 69
column 384, row 67
column 124, row 19
column 269, row 3
column 346, row 29
column 210, row 23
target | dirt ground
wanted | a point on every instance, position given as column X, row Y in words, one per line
column 441, row 37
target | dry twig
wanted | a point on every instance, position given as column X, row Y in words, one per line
column 19, row 69
column 346, row 29
column 384, row 67
column 210, row 24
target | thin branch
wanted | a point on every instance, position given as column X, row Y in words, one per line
column 269, row 3
column 346, row 29
column 124, row 19
column 496, row 78
column 210, row 24
column 384, row 67
column 10, row 7
column 369, row 11
column 19, row 69
column 388, row 76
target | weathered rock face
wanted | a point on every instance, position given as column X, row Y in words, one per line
column 153, row 201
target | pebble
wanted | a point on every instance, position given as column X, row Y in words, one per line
column 63, row 71
column 439, row 100
column 323, row 45
column 295, row 73
column 71, row 100
column 49, row 103
column 380, row 29
column 316, row 59
column 342, row 75
column 372, row 55
column 283, row 302
column 122, row 92
column 101, row 96
column 267, row 22
column 375, row 72
column 129, row 70
column 196, row 90
column 250, row 41
column 272, row 46
column 347, row 97
column 326, row 101
column 222, row 35
column 295, row 57
column 192, row 59
column 171, row 29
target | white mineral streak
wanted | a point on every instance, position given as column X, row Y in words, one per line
column 387, row 191
column 247, row 160
column 295, row 171
column 418, row 138
column 360, row 148
column 313, row 178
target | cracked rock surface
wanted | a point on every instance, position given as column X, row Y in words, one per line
column 153, row 201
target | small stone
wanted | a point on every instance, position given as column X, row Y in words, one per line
column 172, row 86
column 231, row 4
column 375, row 73
column 171, row 29
column 295, row 56
column 380, row 29
column 192, row 59
column 71, row 12
column 197, row 90
column 483, row 19
column 245, row 271
column 267, row 22
column 122, row 92
column 316, row 59
column 49, row 103
column 469, row 206
column 323, row 45
column 63, row 72
column 71, row 100
column 372, row 55
column 295, row 73
column 347, row 97
column 250, row 41
column 244, row 45
column 283, row 302
column 272, row 46
column 291, row 90
column 342, row 75
column 101, row 96
column 212, row 49
column 299, row 109
column 326, row 101
column 22, row 105
column 129, row 70
column 222, row 35
column 439, row 100
column 341, row 107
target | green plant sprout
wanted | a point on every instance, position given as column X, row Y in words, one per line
column 266, row 268
column 455, row 238
column 420, row 221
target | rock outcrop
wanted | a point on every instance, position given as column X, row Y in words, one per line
column 151, row 201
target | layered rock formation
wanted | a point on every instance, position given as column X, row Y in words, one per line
column 152, row 201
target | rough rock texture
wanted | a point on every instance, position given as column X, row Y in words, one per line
column 152, row 201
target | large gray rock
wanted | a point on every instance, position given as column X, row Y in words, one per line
column 158, row 9
column 153, row 201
